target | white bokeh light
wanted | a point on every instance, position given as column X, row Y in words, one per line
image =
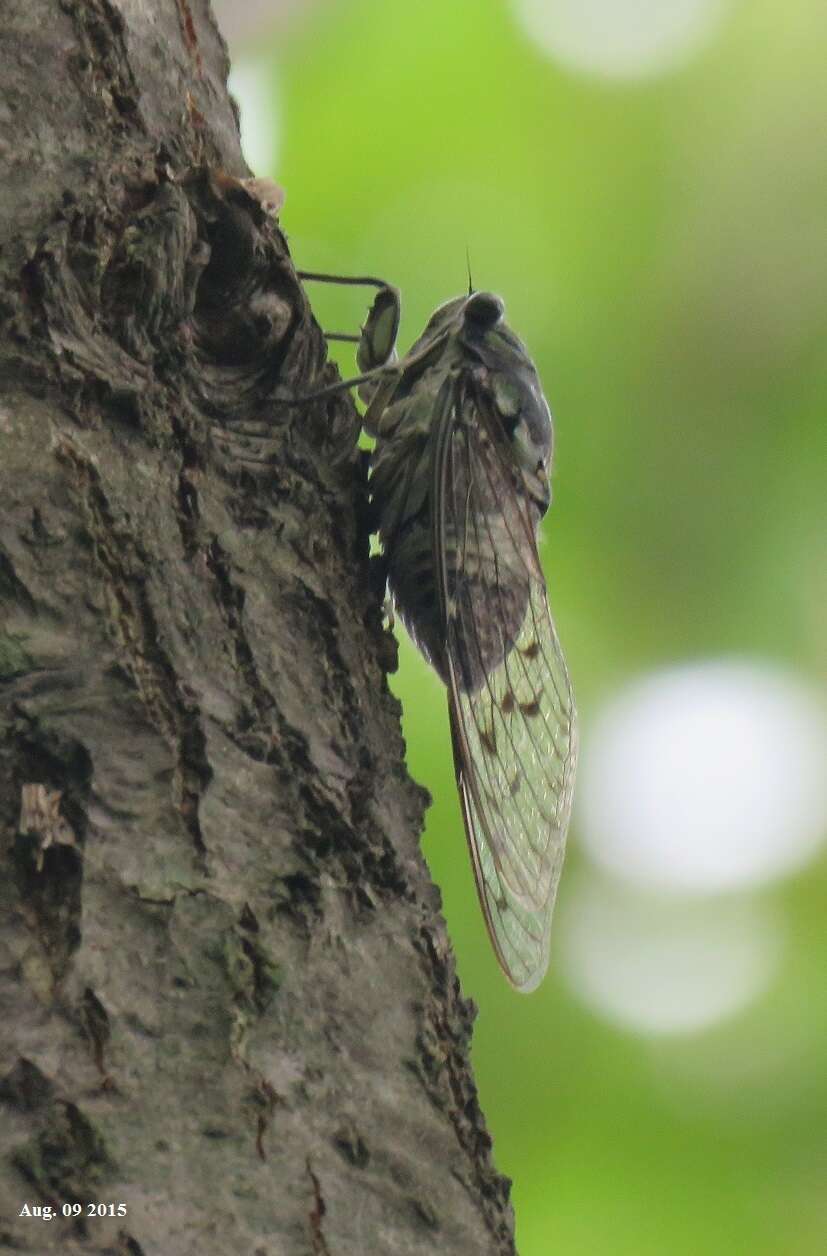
column 252, row 82
column 623, row 39
column 707, row 777
column 660, row 966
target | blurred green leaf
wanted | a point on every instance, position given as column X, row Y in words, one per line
column 660, row 248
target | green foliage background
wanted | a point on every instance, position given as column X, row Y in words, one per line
column 660, row 246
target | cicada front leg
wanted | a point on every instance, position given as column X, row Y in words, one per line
column 376, row 341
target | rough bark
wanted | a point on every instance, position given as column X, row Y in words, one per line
column 227, row 998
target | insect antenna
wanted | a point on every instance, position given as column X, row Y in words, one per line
column 468, row 267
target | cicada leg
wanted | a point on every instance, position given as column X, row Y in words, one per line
column 377, row 338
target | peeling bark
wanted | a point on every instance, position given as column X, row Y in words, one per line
column 228, row 1001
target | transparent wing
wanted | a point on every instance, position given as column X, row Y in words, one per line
column 513, row 719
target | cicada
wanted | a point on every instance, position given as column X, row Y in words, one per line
column 459, row 482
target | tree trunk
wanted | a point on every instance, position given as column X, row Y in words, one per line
column 230, row 1017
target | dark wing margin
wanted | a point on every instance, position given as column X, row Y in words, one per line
column 513, row 719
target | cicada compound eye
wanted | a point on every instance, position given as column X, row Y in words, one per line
column 483, row 309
